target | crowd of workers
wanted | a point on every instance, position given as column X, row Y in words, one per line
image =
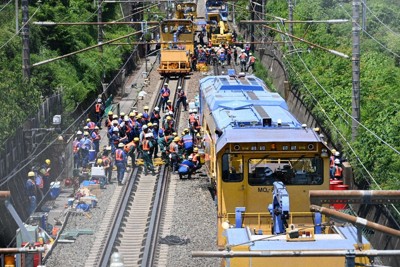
column 146, row 135
column 224, row 55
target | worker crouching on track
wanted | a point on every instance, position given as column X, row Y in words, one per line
column 186, row 168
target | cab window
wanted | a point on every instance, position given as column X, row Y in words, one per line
column 290, row 171
column 232, row 168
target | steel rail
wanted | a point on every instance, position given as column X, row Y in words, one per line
column 107, row 251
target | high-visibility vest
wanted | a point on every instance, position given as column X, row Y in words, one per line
column 243, row 57
column 76, row 146
column 146, row 145
column 129, row 146
column 170, row 107
column 97, row 108
column 91, row 125
column 252, row 59
column 338, row 171
column 119, row 155
column 165, row 92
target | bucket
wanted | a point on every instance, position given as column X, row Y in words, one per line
column 340, row 206
column 55, row 190
column 92, row 155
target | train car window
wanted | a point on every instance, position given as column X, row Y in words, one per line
column 232, row 168
column 290, row 171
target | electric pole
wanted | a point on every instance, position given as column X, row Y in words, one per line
column 290, row 24
column 100, row 27
column 252, row 5
column 355, row 103
column 26, row 62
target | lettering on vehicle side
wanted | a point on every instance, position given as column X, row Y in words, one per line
column 265, row 189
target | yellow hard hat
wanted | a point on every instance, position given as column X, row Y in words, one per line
column 139, row 116
column 195, row 149
column 99, row 161
column 177, row 139
column 122, row 114
column 174, row 134
column 110, row 113
column 198, row 135
column 186, row 130
column 47, row 161
column 146, row 107
column 150, row 124
column 131, row 114
column 31, row 174
column 169, row 101
column 86, row 133
column 87, row 119
column 136, row 139
column 169, row 118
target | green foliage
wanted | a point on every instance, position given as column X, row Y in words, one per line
column 77, row 76
column 325, row 81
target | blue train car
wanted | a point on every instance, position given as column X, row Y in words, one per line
column 263, row 163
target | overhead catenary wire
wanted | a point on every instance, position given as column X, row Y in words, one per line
column 20, row 29
column 371, row 36
column 357, row 157
column 380, row 21
column 5, row 5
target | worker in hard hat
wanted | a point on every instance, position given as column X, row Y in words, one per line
column 337, row 170
column 251, row 63
column 165, row 92
column 75, row 149
column 30, row 187
column 107, row 163
column 145, row 147
column 96, row 139
column 188, row 144
column 169, row 125
column 99, row 111
column 108, row 122
column 174, row 153
column 169, row 107
column 163, row 143
column 45, row 172
column 146, row 114
column 155, row 116
column 120, row 162
column 181, row 99
column 131, row 148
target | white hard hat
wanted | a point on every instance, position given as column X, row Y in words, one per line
column 126, row 118
column 156, row 108
column 250, row 54
column 148, row 135
column 78, row 132
column 121, row 145
column 170, row 112
column 337, row 161
column 337, row 153
column 144, row 127
column 99, row 100
column 165, row 84
column 190, row 157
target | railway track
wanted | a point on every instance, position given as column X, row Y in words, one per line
column 132, row 221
